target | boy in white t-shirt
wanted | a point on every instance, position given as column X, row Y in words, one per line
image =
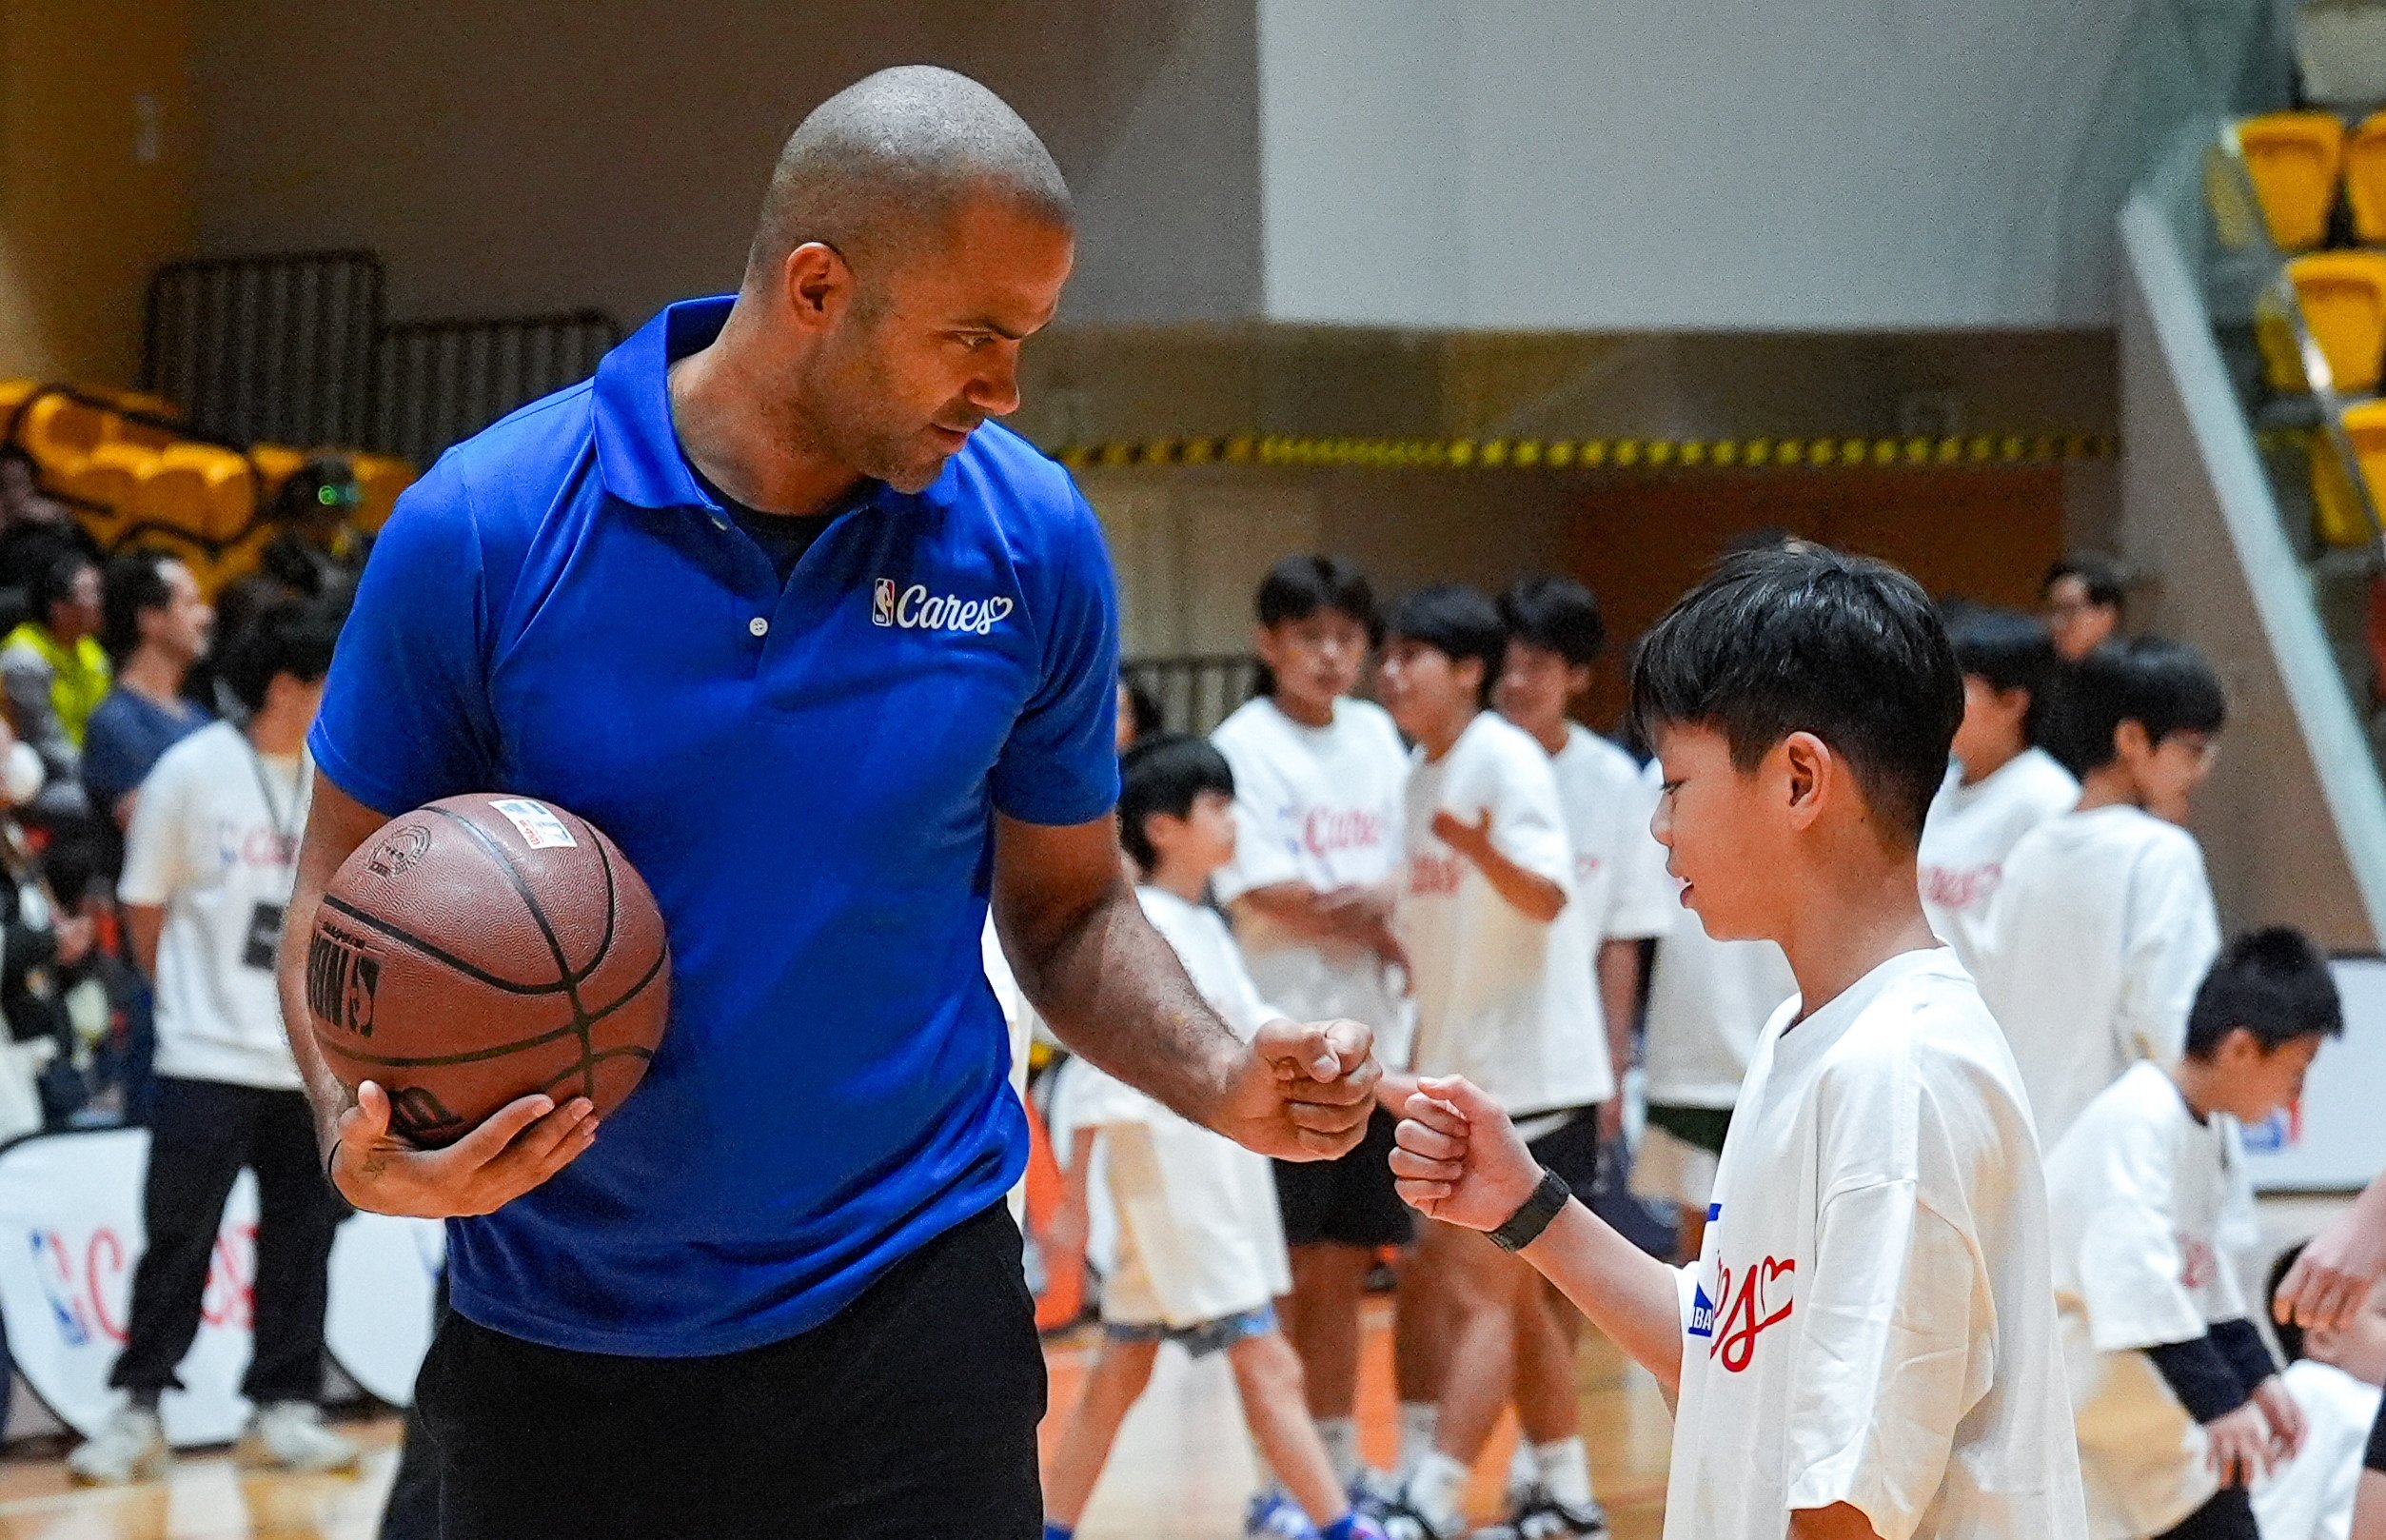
column 1867, row 1346
column 1317, row 778
column 1200, row 1254
column 1501, row 955
column 2002, row 785
column 209, row 866
column 2333, row 1373
column 2179, row 1403
column 2104, row 925
column 1555, row 634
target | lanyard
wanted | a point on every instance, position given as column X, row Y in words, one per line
column 286, row 833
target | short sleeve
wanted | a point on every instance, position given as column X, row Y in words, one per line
column 406, row 714
column 1890, row 1358
column 1060, row 764
column 2132, row 1273
column 110, row 756
column 154, row 867
column 1527, row 819
column 1263, row 850
column 2174, row 937
column 1239, row 1003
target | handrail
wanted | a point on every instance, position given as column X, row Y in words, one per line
column 2321, row 382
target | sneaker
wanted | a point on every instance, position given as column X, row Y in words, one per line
column 131, row 1447
column 291, row 1435
column 1373, row 1492
column 1401, row 1522
column 1275, row 1516
column 1543, row 1517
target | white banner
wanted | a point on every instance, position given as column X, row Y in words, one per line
column 2334, row 1141
column 71, row 1235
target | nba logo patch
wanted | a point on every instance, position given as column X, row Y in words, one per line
column 536, row 823
column 882, row 603
column 1701, row 1313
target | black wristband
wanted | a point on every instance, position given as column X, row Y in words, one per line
column 1524, row 1227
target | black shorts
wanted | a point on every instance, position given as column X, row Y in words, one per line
column 910, row 1417
column 1346, row 1202
column 2374, row 1457
column 1571, row 1149
column 2228, row 1517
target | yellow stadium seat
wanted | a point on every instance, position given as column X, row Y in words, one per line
column 2338, row 517
column 379, row 479
column 276, row 463
column 106, row 483
column 60, row 430
column 2294, row 160
column 2365, row 179
column 13, row 393
column 2342, row 295
column 204, row 491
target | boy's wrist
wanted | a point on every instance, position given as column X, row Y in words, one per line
column 1540, row 1208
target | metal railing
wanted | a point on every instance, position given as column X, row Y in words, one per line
column 274, row 348
column 1194, row 694
column 436, row 382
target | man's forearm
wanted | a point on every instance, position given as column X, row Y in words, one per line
column 1622, row 1290
column 1114, row 990
column 1619, row 971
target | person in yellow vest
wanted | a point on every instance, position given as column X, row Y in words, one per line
column 56, row 674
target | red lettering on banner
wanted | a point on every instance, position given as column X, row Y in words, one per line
column 1763, row 1299
column 1436, row 876
column 1329, row 830
column 1960, row 887
column 103, row 1265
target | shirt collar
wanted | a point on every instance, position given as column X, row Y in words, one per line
column 638, row 451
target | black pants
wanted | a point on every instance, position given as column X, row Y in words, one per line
column 200, row 1134
column 2228, row 1517
column 412, row 1511
column 910, row 1417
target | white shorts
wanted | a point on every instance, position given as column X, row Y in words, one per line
column 1200, row 1238
column 1672, row 1170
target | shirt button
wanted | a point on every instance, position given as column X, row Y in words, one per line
column 760, row 626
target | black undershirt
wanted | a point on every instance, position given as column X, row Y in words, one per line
column 784, row 537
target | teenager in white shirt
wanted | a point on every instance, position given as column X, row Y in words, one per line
column 2002, row 785
column 1501, row 955
column 2179, row 1403
column 2334, row 1373
column 1555, row 633
column 2104, row 925
column 1200, row 1251
column 208, row 865
column 1867, row 1346
column 1317, row 778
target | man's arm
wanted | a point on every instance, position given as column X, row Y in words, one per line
column 1460, row 1160
column 143, row 924
column 520, row 1146
column 1841, row 1521
column 1112, row 990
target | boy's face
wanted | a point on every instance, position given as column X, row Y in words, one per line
column 2358, row 1347
column 1535, row 685
column 2254, row 1081
column 1991, row 729
column 2077, row 623
column 1726, row 830
column 2165, row 774
column 1315, row 658
column 1425, row 689
column 1200, row 843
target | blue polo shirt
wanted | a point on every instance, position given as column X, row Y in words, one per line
column 806, row 776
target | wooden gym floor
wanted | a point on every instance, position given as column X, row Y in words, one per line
column 1182, row 1469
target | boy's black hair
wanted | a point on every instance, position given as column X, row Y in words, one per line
column 293, row 637
column 132, row 583
column 2272, row 982
column 1557, row 615
column 1458, row 621
column 1164, row 773
column 1298, row 586
column 2012, row 651
column 2106, row 583
column 1803, row 639
column 1143, row 711
column 2161, row 685
column 2289, row 1335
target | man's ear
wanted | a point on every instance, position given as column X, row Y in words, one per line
column 1809, row 771
column 815, row 283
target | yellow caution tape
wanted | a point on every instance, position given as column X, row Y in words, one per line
column 1984, row 449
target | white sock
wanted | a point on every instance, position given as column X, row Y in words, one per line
column 1525, row 1470
column 1341, row 1438
column 1419, row 1421
column 1565, row 1470
column 1438, row 1487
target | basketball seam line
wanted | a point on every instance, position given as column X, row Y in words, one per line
column 479, row 1054
column 478, row 976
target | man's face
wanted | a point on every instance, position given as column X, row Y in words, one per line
column 1721, row 827
column 1534, row 685
column 1423, row 688
column 925, row 351
column 181, row 626
column 1316, row 658
column 2077, row 623
column 77, row 615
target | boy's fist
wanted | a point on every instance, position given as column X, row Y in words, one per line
column 1458, row 1157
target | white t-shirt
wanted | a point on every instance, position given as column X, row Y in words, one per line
column 2311, row 1496
column 1871, row 1320
column 1619, row 867
column 2141, row 1194
column 1970, row 832
column 1708, row 1001
column 1502, row 1000
column 2098, row 937
column 1196, row 1211
column 1319, row 807
column 208, row 846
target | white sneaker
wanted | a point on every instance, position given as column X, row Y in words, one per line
column 131, row 1448
column 291, row 1435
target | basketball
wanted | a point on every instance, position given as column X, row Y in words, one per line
column 485, row 948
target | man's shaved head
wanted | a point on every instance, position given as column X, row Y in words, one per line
column 878, row 170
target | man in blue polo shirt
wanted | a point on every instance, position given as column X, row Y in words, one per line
column 835, row 663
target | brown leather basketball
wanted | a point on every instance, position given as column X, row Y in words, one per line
column 481, row 949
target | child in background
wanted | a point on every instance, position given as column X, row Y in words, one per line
column 2179, row 1403
column 1317, row 779
column 1500, row 950
column 2104, row 925
column 2002, row 785
column 2334, row 1374
column 1200, row 1249
column 1867, row 1346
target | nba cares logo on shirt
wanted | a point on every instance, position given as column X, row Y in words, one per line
column 916, row 609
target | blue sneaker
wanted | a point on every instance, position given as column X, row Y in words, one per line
column 1276, row 1516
